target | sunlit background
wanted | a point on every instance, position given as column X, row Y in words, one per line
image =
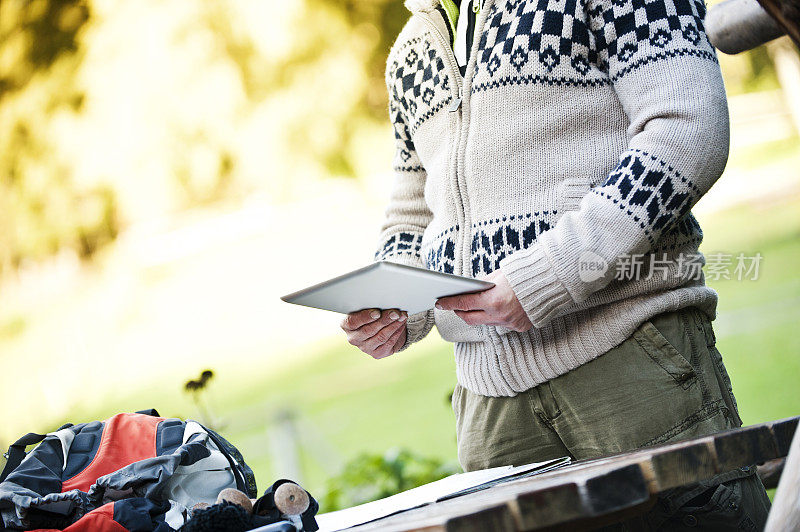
column 169, row 169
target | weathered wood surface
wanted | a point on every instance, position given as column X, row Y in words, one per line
column 594, row 490
column 770, row 472
column 787, row 14
column 734, row 26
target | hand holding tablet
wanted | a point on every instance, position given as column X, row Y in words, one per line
column 378, row 299
column 385, row 285
column 377, row 333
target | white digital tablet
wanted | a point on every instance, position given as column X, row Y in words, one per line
column 385, row 285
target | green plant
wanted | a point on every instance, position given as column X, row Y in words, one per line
column 370, row 477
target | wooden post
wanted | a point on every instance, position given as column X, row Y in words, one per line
column 787, row 14
column 734, row 26
column 785, row 513
column 787, row 67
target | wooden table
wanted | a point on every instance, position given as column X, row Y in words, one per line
column 597, row 492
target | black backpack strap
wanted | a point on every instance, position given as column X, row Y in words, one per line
column 245, row 479
column 16, row 452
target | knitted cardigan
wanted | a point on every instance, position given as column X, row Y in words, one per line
column 582, row 132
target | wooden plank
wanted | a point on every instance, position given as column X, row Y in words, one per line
column 770, row 472
column 783, row 430
column 734, row 26
column 616, row 490
column 786, row 14
column 633, row 517
column 741, row 447
column 586, row 491
column 498, row 518
column 680, row 464
column 550, row 506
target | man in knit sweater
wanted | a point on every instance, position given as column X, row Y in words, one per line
column 556, row 147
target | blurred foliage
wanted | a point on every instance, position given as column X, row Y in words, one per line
column 325, row 30
column 41, row 210
column 312, row 98
column 370, row 477
column 749, row 71
column 34, row 35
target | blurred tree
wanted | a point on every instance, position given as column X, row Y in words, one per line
column 315, row 93
column 41, row 211
column 324, row 31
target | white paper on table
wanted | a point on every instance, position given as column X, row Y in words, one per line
column 429, row 493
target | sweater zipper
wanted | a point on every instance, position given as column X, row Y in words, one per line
column 458, row 106
column 455, row 109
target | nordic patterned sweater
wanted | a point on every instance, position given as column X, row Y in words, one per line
column 582, row 128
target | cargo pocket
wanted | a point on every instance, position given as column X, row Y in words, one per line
column 664, row 354
column 719, row 508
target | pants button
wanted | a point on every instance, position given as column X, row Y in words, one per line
column 689, row 520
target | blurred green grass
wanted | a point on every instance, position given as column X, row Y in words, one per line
column 758, row 319
column 347, row 403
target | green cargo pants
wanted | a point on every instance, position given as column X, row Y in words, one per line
column 666, row 382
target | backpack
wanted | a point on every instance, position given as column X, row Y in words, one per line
column 130, row 472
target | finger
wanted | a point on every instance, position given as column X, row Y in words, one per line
column 355, row 338
column 390, row 347
column 401, row 340
column 461, row 302
column 365, row 332
column 382, row 336
column 477, row 317
column 355, row 320
column 387, row 317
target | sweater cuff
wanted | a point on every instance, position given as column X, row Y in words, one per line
column 417, row 327
column 536, row 285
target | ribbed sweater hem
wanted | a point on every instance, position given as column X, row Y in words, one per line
column 535, row 284
column 504, row 365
